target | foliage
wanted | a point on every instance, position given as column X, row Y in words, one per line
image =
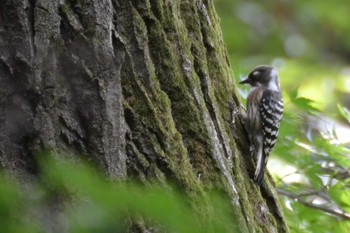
column 93, row 204
column 307, row 42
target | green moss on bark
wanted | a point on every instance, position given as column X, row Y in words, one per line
column 181, row 89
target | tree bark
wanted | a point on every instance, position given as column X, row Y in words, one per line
column 143, row 88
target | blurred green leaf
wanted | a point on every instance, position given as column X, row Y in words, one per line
column 341, row 194
column 312, row 174
column 91, row 203
column 305, row 104
column 344, row 112
column 12, row 207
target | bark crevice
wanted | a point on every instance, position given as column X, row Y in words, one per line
column 31, row 25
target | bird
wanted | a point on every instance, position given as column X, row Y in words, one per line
column 263, row 115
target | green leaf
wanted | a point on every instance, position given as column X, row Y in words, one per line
column 344, row 112
column 340, row 193
column 312, row 174
column 306, row 104
column 342, row 226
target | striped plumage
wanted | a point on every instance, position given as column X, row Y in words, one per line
column 264, row 112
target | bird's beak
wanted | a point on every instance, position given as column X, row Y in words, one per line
column 244, row 81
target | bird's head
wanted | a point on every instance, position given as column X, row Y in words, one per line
column 262, row 76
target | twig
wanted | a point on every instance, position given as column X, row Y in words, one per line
column 340, row 213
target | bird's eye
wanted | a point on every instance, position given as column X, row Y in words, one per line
column 256, row 73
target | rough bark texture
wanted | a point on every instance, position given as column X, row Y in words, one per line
column 143, row 88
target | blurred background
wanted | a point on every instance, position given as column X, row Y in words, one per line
column 309, row 43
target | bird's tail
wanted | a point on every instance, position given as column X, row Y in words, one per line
column 260, row 165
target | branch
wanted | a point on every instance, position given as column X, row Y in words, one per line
column 339, row 213
column 308, row 191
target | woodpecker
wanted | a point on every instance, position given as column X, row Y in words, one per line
column 263, row 116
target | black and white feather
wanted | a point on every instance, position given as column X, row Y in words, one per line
column 271, row 112
column 264, row 113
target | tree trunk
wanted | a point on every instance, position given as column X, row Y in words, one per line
column 143, row 88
